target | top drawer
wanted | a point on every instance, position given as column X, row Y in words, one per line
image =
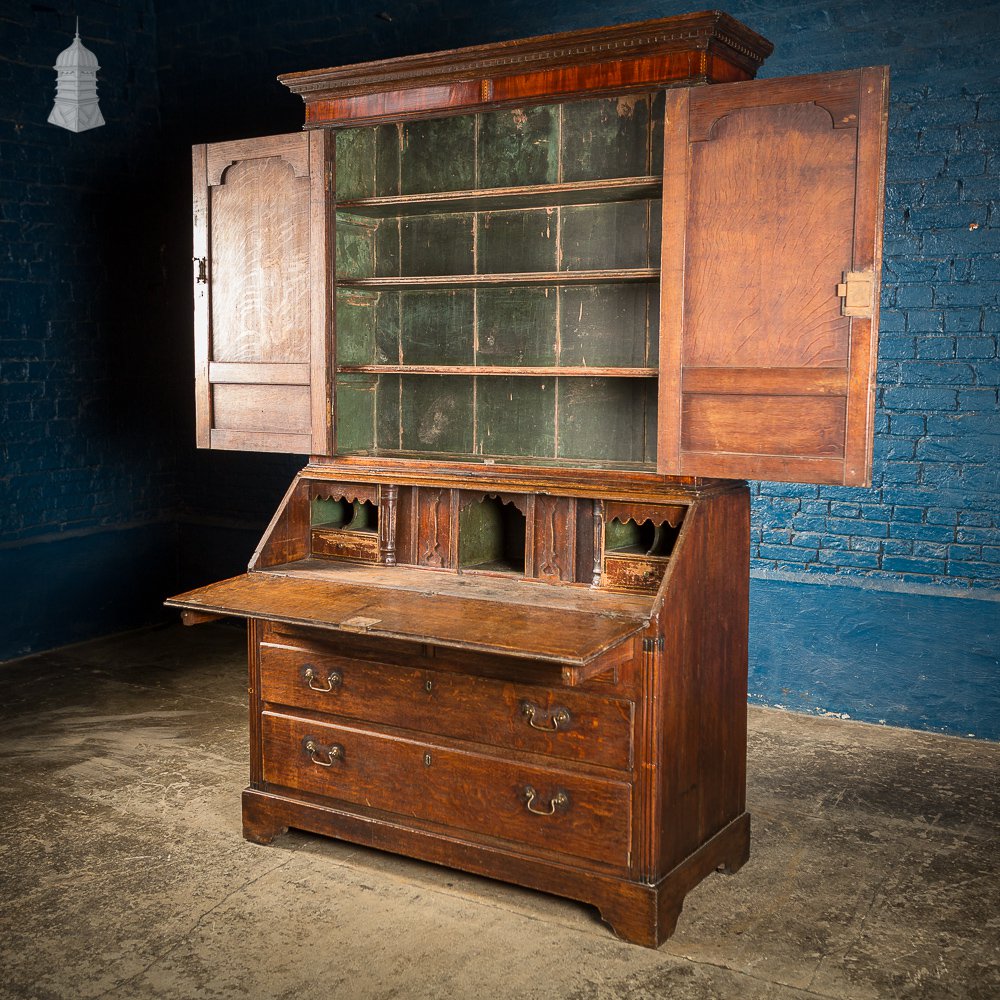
column 568, row 724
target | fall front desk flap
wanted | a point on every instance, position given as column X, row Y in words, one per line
column 487, row 615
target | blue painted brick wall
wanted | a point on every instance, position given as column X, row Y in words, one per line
column 83, row 399
column 87, row 455
column 933, row 511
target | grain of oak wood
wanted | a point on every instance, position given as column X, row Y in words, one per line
column 775, row 186
column 262, row 320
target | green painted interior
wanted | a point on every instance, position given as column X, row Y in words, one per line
column 645, row 539
column 330, row 513
column 357, row 515
column 491, row 536
column 606, row 421
column 354, row 408
column 365, row 516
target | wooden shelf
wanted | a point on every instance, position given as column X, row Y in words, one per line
column 395, row 462
column 538, row 371
column 496, row 199
column 614, row 277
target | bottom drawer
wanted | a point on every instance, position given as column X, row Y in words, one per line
column 543, row 807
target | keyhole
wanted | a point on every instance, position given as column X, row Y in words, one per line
column 428, row 685
column 427, row 756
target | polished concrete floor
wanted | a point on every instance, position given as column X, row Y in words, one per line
column 123, row 872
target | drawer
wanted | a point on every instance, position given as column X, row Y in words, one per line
column 355, row 546
column 633, row 573
column 547, row 808
column 569, row 724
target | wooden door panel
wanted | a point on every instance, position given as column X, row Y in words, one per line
column 260, row 263
column 262, row 313
column 769, row 425
column 261, row 407
column 773, row 314
column 773, row 190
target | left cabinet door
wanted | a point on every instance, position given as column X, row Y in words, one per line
column 262, row 307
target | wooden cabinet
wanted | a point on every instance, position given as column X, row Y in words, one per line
column 572, row 719
column 519, row 302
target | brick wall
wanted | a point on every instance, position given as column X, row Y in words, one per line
column 75, row 359
column 84, row 407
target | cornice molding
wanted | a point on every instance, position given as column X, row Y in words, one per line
column 708, row 31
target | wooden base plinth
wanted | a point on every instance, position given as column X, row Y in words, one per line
column 640, row 913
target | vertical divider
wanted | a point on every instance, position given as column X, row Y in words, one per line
column 598, row 542
column 388, row 497
column 676, row 170
column 529, row 537
column 453, row 519
column 323, row 285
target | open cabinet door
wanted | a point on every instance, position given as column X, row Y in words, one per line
column 772, row 236
column 261, row 304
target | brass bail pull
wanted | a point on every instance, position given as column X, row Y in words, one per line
column 558, row 718
column 558, row 801
column 333, row 679
column 317, row 751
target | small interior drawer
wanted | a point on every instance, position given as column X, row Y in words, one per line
column 630, row 573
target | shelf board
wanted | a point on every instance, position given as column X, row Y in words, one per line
column 367, row 458
column 518, row 370
column 619, row 276
column 496, row 199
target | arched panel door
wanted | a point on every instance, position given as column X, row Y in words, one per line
column 262, row 312
column 772, row 232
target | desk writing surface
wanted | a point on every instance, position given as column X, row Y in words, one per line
column 484, row 618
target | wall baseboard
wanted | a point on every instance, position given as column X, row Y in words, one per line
column 57, row 591
column 916, row 660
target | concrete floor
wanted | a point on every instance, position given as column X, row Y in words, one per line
column 123, row 872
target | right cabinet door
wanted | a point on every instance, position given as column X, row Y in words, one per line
column 772, row 233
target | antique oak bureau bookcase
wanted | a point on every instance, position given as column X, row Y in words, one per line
column 535, row 310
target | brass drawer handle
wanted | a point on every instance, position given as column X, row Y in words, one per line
column 558, row 801
column 333, row 679
column 333, row 752
column 559, row 718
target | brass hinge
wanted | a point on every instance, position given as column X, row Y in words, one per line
column 857, row 292
column 654, row 645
